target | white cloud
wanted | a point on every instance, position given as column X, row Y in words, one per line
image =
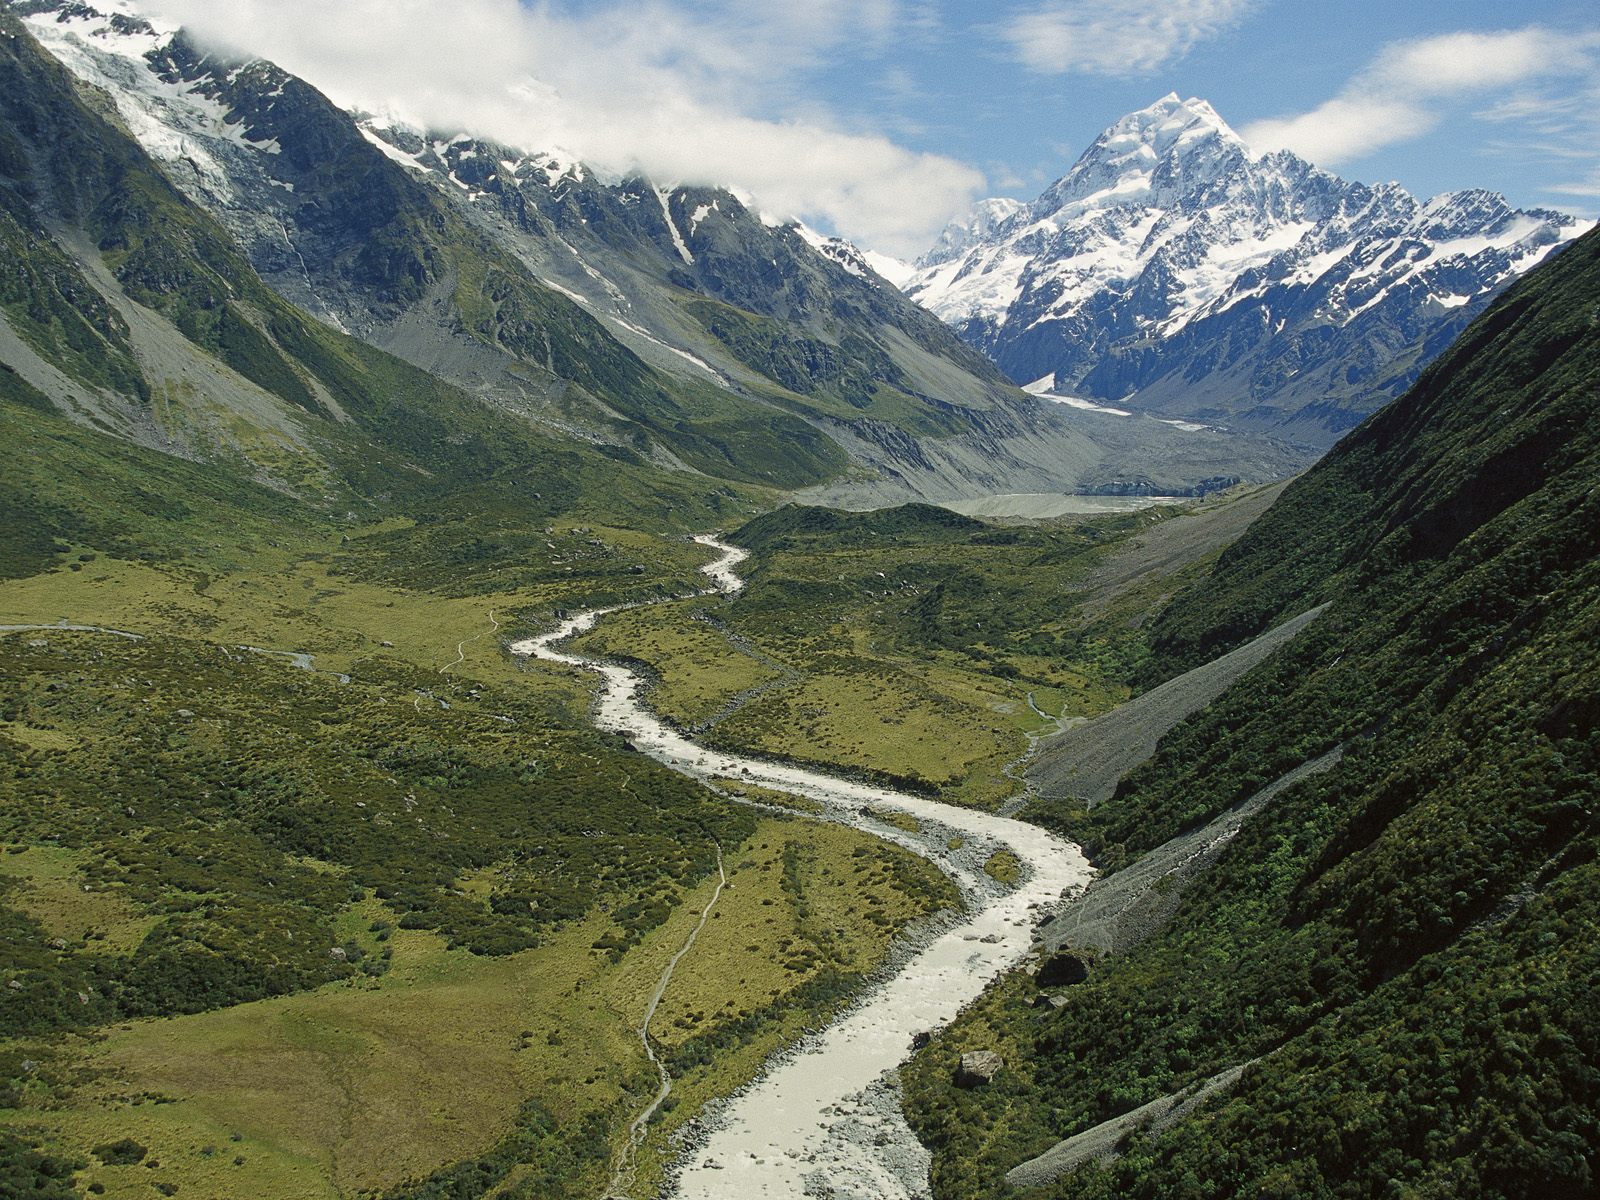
column 1555, row 132
column 1411, row 86
column 1115, row 37
column 688, row 91
column 1343, row 128
column 1588, row 187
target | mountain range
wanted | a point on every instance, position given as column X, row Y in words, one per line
column 1175, row 271
column 675, row 323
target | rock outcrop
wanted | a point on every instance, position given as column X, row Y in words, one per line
column 977, row 1068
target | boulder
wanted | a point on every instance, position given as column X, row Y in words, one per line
column 1061, row 970
column 977, row 1068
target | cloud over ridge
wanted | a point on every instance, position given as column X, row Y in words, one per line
column 696, row 92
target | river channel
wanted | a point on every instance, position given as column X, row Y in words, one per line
column 822, row 1121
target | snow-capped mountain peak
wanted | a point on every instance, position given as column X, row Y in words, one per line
column 1172, row 266
column 980, row 224
column 1147, row 156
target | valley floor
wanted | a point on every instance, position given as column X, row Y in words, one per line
column 432, row 1044
column 442, row 1037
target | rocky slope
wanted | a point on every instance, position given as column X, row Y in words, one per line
column 128, row 308
column 1174, row 271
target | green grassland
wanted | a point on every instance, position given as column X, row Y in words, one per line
column 196, row 828
column 368, row 1082
column 913, row 644
column 385, row 935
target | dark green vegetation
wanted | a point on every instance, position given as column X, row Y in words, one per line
column 999, row 600
column 202, row 782
column 559, row 1156
column 1409, row 942
column 28, row 1174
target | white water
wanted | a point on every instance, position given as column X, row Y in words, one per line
column 796, row 1131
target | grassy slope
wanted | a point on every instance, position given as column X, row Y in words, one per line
column 1409, row 939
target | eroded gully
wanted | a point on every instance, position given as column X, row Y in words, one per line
column 822, row 1120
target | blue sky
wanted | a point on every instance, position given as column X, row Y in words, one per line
column 882, row 119
column 960, row 87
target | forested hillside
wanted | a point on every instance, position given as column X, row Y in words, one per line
column 1403, row 947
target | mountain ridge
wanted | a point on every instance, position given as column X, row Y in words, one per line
column 676, row 324
column 1174, row 270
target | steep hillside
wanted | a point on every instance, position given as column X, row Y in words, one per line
column 1399, row 948
column 350, row 235
column 671, row 321
column 133, row 311
column 1174, row 271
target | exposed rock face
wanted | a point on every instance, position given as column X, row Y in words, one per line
column 977, row 1068
column 1175, row 272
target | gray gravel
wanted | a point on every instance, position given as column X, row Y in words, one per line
column 1118, row 912
column 1087, row 760
column 1166, row 548
column 1102, row 1141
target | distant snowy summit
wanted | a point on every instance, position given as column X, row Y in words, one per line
column 1175, row 271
